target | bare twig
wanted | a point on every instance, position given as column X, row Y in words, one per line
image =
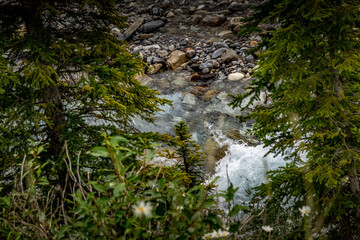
column 22, row 174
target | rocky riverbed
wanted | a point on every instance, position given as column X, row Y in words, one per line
column 196, row 59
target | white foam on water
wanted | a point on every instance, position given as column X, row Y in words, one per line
column 244, row 166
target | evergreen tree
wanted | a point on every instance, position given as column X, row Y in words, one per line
column 311, row 69
column 65, row 77
column 189, row 152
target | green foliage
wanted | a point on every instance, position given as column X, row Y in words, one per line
column 122, row 203
column 189, row 152
column 65, row 77
column 311, row 71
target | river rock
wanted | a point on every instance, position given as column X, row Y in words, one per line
column 254, row 44
column 235, row 76
column 206, row 77
column 209, row 94
column 218, row 52
column 235, row 134
column 145, row 35
column 151, row 26
column 225, row 33
column 229, row 56
column 189, row 99
column 133, row 27
column 235, row 21
column 153, row 46
column 207, row 64
column 172, row 48
column 205, row 70
column 236, row 6
column 213, row 153
column 179, row 2
column 213, row 20
column 170, row 14
column 165, row 4
column 154, row 68
column 143, row 79
column 154, row 11
column 190, row 52
column 249, row 58
column 176, row 59
column 194, row 77
column 192, row 9
column 162, row 53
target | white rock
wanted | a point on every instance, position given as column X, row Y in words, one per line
column 235, row 76
column 162, row 53
column 170, row 14
column 151, row 47
column 224, row 97
column 172, row 48
column 189, row 99
column 225, row 33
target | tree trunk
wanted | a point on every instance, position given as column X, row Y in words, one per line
column 55, row 131
column 51, row 95
column 354, row 185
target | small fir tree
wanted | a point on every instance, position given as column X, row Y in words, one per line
column 189, row 152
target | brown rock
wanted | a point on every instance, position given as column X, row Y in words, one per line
column 195, row 19
column 176, row 59
column 209, row 94
column 143, row 79
column 195, row 77
column 253, row 44
column 190, row 52
column 198, row 90
column 145, row 35
column 229, row 56
column 154, row 68
column 201, row 88
column 213, row 20
column 236, row 21
column 205, row 77
column 213, row 154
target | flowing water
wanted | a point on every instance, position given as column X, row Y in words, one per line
column 244, row 165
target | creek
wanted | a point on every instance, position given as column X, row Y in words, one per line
column 214, row 126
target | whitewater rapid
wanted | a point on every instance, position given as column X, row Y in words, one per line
column 244, row 166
